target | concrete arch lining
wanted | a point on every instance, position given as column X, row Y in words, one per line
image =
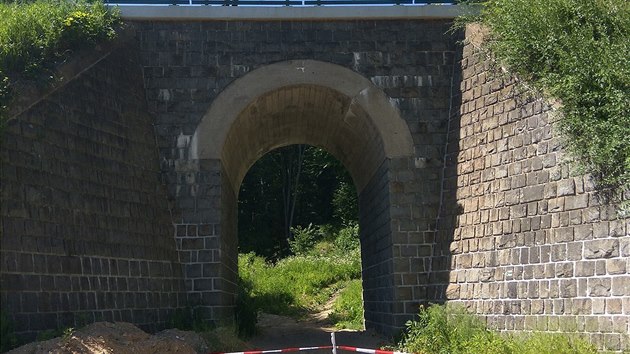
column 363, row 100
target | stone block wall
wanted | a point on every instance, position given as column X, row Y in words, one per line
column 376, row 251
column 531, row 245
column 86, row 229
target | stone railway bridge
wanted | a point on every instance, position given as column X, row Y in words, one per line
column 120, row 184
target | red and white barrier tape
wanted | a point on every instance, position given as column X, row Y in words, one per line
column 338, row 347
column 369, row 351
column 285, row 350
column 334, row 348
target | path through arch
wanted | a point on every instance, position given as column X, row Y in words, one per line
column 320, row 104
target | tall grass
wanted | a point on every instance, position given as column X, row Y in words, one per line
column 34, row 36
column 35, row 33
column 451, row 330
column 347, row 311
column 298, row 283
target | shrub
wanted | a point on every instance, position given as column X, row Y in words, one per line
column 557, row 343
column 575, row 51
column 348, row 238
column 346, row 204
column 34, row 35
column 304, row 239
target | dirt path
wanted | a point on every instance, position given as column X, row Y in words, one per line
column 277, row 332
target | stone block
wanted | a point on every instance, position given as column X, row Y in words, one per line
column 613, row 306
column 564, row 234
column 621, row 285
column 565, row 187
column 576, row 202
column 534, row 193
column 616, row 266
column 583, row 232
column 585, row 268
column 624, row 246
column 605, row 248
column 598, row 287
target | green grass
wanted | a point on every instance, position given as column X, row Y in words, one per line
column 443, row 329
column 295, row 284
column 347, row 311
column 325, row 261
column 36, row 35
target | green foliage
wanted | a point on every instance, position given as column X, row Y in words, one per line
column 575, row 51
column 324, row 239
column 442, row 330
column 324, row 262
column 36, row 35
column 347, row 310
column 222, row 339
column 326, row 196
column 8, row 339
column 296, row 283
column 557, row 343
column 304, row 239
column 348, row 238
column 246, row 312
column 451, row 330
column 345, row 203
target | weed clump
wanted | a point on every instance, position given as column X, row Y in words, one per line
column 442, row 329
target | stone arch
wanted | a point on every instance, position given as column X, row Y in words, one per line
column 357, row 102
column 315, row 103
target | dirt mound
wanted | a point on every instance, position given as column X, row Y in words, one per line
column 119, row 337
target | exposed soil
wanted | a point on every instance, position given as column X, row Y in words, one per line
column 275, row 332
column 119, row 337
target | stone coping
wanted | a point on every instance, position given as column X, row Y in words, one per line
column 214, row 13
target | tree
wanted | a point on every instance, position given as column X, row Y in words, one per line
column 292, row 186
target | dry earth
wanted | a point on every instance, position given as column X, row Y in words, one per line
column 275, row 332
column 119, row 337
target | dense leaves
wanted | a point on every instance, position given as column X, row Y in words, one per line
column 289, row 189
column 577, row 52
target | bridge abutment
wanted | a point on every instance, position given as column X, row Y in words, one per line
column 462, row 195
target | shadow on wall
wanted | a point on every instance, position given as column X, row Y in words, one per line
column 446, row 242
